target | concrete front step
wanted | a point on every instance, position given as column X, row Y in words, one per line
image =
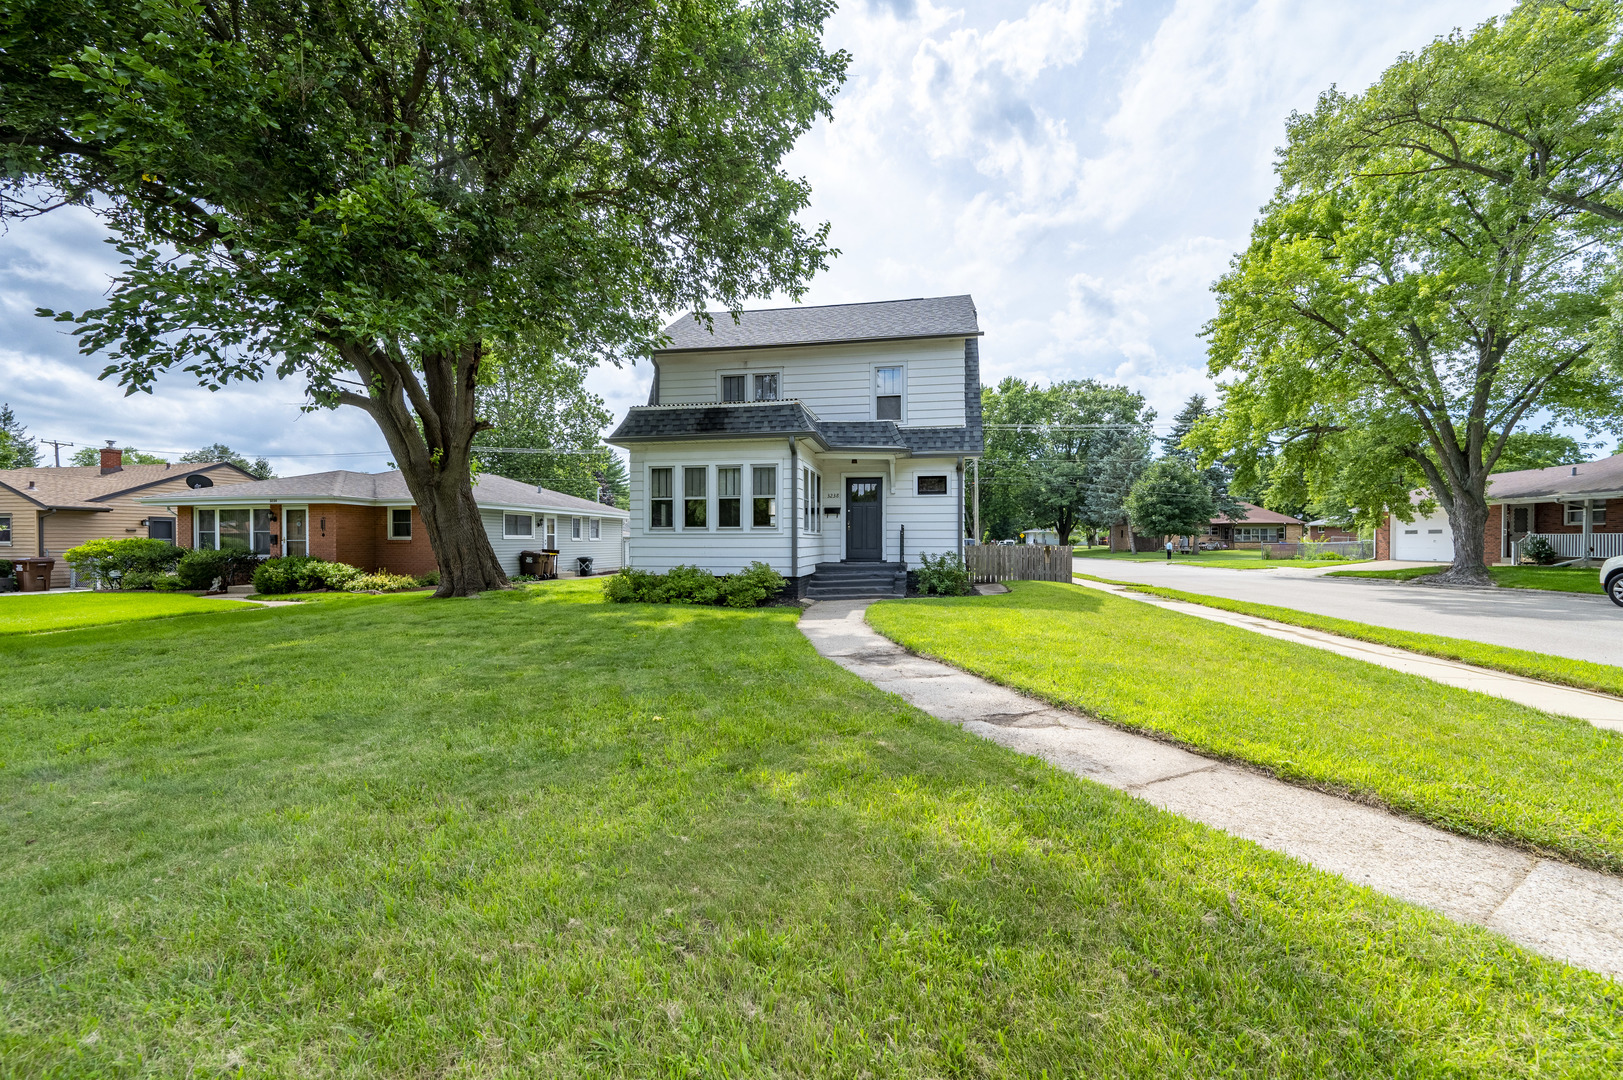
column 857, row 581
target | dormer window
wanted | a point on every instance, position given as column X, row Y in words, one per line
column 766, row 386
column 732, row 388
column 889, row 383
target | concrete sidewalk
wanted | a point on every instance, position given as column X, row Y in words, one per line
column 1599, row 709
column 1552, row 908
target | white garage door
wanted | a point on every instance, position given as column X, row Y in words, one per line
column 1426, row 539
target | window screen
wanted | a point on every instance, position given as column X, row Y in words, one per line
column 729, row 497
column 732, row 388
column 888, row 393
column 659, row 504
column 400, row 523
column 516, row 525
column 694, row 502
column 765, row 508
column 932, row 485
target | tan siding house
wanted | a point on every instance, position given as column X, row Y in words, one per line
column 45, row 511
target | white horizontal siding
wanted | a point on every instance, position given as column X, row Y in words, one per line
column 836, row 381
column 606, row 551
column 930, row 521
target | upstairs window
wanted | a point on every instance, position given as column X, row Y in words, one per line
column 660, row 514
column 888, row 393
column 400, row 523
column 694, row 502
column 732, row 388
column 766, row 386
column 765, row 508
column 729, row 498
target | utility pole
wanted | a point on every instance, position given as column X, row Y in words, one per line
column 57, row 446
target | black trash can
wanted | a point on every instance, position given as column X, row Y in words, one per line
column 584, row 566
column 529, row 564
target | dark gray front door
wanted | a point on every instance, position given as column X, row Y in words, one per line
column 864, row 520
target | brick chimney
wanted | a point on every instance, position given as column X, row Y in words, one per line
column 112, row 458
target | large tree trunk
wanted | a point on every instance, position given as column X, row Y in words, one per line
column 430, row 424
column 1468, row 520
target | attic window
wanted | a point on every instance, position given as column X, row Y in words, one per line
column 766, row 386
column 732, row 388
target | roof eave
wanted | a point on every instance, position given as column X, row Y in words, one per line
column 816, row 341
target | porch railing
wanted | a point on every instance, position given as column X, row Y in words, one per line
column 1606, row 545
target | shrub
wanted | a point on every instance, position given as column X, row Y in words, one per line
column 430, row 579
column 6, row 569
column 383, row 581
column 201, row 568
column 691, row 585
column 291, row 573
column 943, row 575
column 106, row 562
column 753, row 587
column 1538, row 549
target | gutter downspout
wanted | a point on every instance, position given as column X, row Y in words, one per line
column 794, row 509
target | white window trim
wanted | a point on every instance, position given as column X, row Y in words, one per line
column 777, row 496
column 7, row 542
column 595, row 530
column 749, row 384
column 391, row 533
column 517, row 536
column 873, row 389
column 574, row 528
column 197, row 523
column 281, row 531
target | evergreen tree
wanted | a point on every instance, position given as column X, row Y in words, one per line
column 17, row 450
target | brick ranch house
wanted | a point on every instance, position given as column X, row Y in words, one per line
column 1578, row 508
column 370, row 520
column 46, row 511
column 1258, row 527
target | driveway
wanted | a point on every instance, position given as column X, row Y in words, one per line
column 1577, row 626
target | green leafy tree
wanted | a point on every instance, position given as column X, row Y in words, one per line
column 1044, row 446
column 1540, row 450
column 367, row 193
column 1171, row 498
column 87, row 456
column 17, row 450
column 1403, row 306
column 1217, row 475
column 259, row 467
column 534, row 400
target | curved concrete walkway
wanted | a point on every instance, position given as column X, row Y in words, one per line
column 1550, row 907
column 1601, row 710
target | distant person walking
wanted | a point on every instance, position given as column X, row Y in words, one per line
column 1169, row 549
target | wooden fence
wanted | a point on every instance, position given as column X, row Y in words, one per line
column 1018, row 562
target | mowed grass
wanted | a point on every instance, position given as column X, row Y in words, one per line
column 533, row 834
column 1546, row 578
column 32, row 614
column 1236, row 559
column 1584, row 674
column 1467, row 762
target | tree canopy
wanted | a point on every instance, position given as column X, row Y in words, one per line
column 371, row 194
column 17, row 450
column 535, row 400
column 1434, row 271
column 260, row 467
column 1171, row 498
column 88, row 456
column 1059, row 456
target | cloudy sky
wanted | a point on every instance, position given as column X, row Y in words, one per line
column 1083, row 168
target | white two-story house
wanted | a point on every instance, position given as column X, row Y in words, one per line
column 828, row 442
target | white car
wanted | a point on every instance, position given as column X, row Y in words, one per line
column 1611, row 579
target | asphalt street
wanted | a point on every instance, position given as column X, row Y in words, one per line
column 1564, row 624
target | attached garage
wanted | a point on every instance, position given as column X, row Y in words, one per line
column 1426, row 539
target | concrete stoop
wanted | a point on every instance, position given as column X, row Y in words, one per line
column 1549, row 907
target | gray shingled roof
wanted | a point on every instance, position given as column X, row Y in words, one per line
column 384, row 488
column 88, row 488
column 662, row 423
column 1575, row 481
column 936, row 316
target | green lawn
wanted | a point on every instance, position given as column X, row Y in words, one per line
column 1606, row 678
column 533, row 834
column 1237, row 559
column 1548, row 578
column 1464, row 761
column 32, row 613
